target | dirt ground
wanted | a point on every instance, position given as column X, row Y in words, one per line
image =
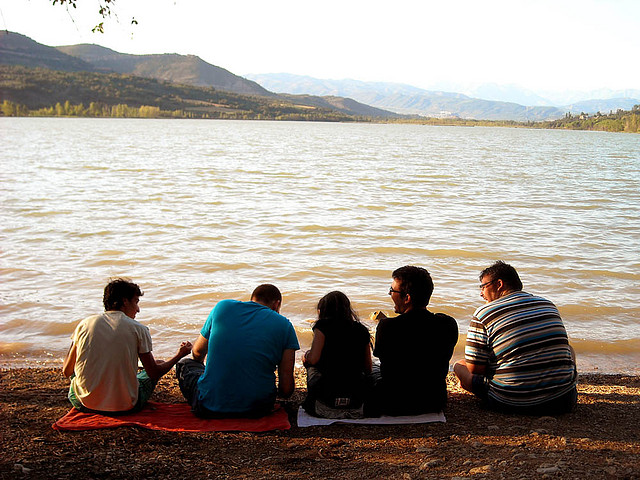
column 600, row 440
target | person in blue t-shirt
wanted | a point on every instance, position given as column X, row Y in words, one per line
column 243, row 343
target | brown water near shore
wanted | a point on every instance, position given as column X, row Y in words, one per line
column 598, row 441
column 620, row 357
column 200, row 211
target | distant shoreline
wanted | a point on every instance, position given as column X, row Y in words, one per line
column 619, row 122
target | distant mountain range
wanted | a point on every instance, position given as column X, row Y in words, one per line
column 350, row 97
column 409, row 100
column 523, row 96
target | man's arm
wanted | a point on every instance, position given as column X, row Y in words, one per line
column 70, row 361
column 464, row 375
column 477, row 350
column 157, row 368
column 476, row 369
column 465, row 372
column 200, row 349
column 286, row 383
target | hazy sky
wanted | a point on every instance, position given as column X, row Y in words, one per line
column 538, row 44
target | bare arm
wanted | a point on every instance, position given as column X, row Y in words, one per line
column 465, row 372
column 464, row 375
column 70, row 361
column 312, row 357
column 476, row 369
column 157, row 368
column 286, row 383
column 200, row 349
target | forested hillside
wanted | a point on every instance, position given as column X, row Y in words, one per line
column 37, row 91
column 620, row 121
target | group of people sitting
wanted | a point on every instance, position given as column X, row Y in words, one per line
column 517, row 356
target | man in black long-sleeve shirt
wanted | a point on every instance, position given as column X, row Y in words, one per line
column 414, row 349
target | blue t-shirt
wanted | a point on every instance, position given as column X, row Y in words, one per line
column 246, row 342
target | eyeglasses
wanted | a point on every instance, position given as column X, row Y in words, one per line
column 483, row 285
column 391, row 291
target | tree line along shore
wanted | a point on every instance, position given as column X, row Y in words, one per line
column 620, row 121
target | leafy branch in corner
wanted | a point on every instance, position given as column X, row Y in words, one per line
column 104, row 11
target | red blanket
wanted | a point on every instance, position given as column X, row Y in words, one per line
column 172, row 418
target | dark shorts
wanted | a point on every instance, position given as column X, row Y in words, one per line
column 563, row 404
column 146, row 386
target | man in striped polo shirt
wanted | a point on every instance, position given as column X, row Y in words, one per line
column 517, row 355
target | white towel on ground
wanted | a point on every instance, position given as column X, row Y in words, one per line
column 306, row 420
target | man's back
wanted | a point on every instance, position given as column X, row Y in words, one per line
column 523, row 341
column 414, row 351
column 107, row 347
column 246, row 343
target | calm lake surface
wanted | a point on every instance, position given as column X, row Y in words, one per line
column 198, row 211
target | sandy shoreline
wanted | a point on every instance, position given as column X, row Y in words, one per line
column 599, row 440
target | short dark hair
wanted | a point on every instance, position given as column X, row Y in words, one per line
column 416, row 282
column 504, row 272
column 117, row 290
column 266, row 294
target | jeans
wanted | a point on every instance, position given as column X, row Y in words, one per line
column 188, row 372
column 565, row 403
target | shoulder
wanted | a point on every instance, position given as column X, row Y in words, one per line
column 228, row 303
column 388, row 322
column 362, row 330
column 534, row 298
column 502, row 303
column 266, row 315
column 223, row 307
column 443, row 317
column 517, row 299
column 90, row 319
column 322, row 325
column 446, row 320
column 130, row 324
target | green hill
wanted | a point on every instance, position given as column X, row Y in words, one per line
column 38, row 88
column 16, row 49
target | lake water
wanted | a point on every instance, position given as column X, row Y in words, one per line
column 197, row 211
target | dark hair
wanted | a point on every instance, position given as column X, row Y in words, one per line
column 336, row 307
column 117, row 290
column 415, row 281
column 266, row 294
column 504, row 272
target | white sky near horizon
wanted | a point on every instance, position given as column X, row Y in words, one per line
column 543, row 45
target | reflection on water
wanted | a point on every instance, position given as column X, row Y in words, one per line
column 197, row 211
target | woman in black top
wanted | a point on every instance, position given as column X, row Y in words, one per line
column 339, row 360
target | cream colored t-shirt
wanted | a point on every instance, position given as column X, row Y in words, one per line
column 107, row 348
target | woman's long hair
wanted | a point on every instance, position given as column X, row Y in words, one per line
column 336, row 307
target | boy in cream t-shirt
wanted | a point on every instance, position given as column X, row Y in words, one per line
column 103, row 359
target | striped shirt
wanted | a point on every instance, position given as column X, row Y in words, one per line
column 522, row 341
